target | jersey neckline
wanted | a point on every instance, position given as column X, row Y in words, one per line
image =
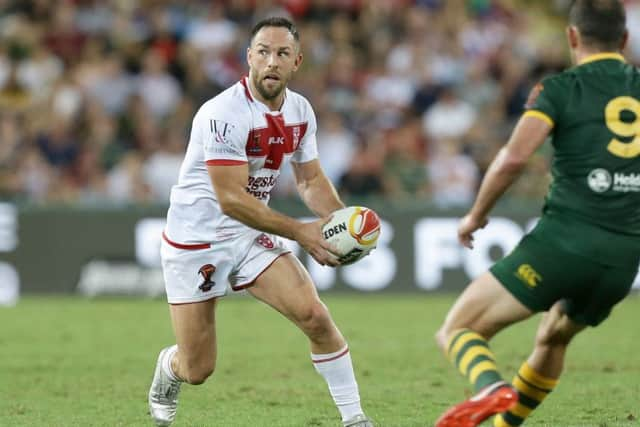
column 247, row 91
column 601, row 56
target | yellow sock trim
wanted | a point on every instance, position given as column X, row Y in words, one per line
column 521, row 410
column 471, row 354
column 481, row 368
column 535, row 378
column 524, row 388
column 498, row 421
column 465, row 337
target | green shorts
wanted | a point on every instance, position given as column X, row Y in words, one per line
column 539, row 273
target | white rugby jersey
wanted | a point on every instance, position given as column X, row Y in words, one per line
column 231, row 129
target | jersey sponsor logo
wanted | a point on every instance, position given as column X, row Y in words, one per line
column 528, row 275
column 260, row 186
column 221, row 142
column 626, row 182
column 533, row 95
column 222, row 150
column 221, row 130
column 599, row 180
column 276, row 140
column 257, row 182
column 206, row 271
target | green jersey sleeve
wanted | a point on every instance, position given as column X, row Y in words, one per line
column 546, row 97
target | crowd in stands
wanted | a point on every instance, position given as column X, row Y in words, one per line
column 413, row 98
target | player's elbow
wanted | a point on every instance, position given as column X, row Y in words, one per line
column 229, row 203
column 513, row 163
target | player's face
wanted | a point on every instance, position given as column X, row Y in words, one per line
column 273, row 57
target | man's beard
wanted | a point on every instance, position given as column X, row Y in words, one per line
column 269, row 94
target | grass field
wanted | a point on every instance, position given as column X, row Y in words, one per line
column 75, row 362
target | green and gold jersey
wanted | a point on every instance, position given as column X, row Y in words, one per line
column 594, row 109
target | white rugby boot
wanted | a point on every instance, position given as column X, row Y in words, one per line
column 358, row 421
column 163, row 394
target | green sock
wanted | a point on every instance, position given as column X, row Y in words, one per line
column 532, row 389
column 470, row 354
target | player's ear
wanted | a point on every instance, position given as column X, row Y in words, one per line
column 298, row 61
column 573, row 36
column 249, row 55
column 625, row 39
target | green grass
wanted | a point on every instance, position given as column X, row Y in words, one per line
column 75, row 362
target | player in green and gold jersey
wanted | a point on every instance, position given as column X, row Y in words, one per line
column 582, row 257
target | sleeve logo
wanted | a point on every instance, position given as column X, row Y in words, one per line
column 533, row 96
column 221, row 131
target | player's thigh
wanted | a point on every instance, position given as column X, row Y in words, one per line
column 194, row 325
column 486, row 307
column 592, row 304
column 194, row 279
column 286, row 286
column 539, row 274
column 196, row 275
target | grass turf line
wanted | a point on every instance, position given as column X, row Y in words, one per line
column 69, row 361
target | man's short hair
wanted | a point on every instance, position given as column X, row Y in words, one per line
column 602, row 23
column 276, row 21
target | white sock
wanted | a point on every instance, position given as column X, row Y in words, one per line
column 166, row 362
column 337, row 370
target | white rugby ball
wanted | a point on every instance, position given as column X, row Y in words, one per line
column 353, row 231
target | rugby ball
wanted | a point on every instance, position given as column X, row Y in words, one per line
column 353, row 231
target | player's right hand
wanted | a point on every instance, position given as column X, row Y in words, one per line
column 468, row 225
column 309, row 236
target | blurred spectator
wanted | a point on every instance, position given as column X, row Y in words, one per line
column 39, row 71
column 449, row 117
column 215, row 32
column 336, row 146
column 58, row 145
column 413, row 97
column 404, row 170
column 159, row 90
column 364, row 178
column 125, row 183
column 161, row 168
column 453, row 175
column 112, row 87
column 14, row 96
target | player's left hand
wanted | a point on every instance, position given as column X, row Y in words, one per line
column 468, row 225
column 309, row 236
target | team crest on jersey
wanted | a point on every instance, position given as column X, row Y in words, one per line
column 265, row 241
column 254, row 147
column 206, row 271
column 533, row 95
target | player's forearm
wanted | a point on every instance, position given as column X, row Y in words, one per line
column 504, row 170
column 320, row 196
column 251, row 212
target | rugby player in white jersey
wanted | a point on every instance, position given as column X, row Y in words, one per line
column 221, row 236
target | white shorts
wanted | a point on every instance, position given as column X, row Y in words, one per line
column 199, row 272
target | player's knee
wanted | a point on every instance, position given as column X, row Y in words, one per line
column 553, row 335
column 315, row 320
column 442, row 338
